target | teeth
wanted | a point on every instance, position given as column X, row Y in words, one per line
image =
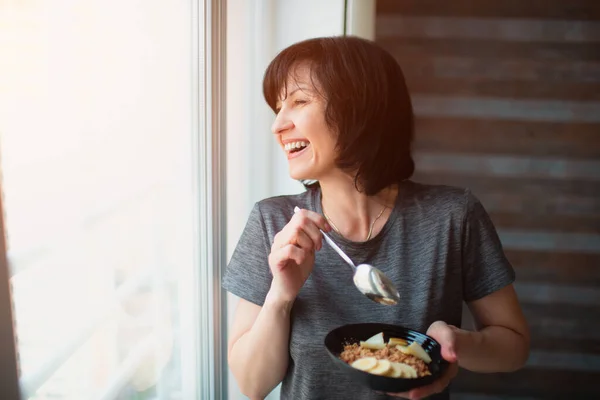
column 295, row 145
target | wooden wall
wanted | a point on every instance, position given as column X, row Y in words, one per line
column 507, row 98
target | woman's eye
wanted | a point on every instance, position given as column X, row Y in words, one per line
column 300, row 102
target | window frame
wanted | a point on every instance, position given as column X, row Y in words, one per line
column 209, row 155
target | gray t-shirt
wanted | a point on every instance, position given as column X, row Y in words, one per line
column 439, row 247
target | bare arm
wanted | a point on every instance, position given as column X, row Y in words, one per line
column 501, row 343
column 258, row 347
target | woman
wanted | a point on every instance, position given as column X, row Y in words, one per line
column 344, row 119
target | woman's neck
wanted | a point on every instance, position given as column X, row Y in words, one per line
column 353, row 214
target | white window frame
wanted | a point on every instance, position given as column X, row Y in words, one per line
column 210, row 158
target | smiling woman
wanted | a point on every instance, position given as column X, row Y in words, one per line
column 300, row 127
column 325, row 90
column 344, row 119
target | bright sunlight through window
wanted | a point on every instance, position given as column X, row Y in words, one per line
column 96, row 111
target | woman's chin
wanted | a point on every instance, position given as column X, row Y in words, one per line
column 300, row 175
column 300, row 178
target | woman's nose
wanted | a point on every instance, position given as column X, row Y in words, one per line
column 281, row 124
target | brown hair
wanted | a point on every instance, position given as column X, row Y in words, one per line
column 368, row 105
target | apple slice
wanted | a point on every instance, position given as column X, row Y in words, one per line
column 397, row 341
column 378, row 338
column 404, row 350
column 372, row 346
column 375, row 342
column 417, row 351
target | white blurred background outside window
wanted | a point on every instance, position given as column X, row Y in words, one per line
column 102, row 128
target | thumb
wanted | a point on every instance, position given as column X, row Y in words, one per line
column 449, row 353
column 446, row 336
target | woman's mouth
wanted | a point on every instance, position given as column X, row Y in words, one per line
column 295, row 149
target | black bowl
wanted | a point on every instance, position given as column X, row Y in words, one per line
column 348, row 334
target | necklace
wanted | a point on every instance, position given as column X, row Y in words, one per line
column 370, row 229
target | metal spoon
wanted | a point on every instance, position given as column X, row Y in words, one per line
column 369, row 280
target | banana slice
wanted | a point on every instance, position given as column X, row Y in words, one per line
column 397, row 341
column 395, row 371
column 372, row 346
column 417, row 351
column 365, row 364
column 382, row 368
column 406, row 370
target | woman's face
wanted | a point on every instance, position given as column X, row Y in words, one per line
column 301, row 130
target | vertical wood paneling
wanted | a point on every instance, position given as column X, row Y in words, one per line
column 507, row 102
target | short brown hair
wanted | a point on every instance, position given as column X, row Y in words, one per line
column 368, row 105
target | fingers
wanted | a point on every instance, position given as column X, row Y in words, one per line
column 310, row 223
column 303, row 231
column 280, row 257
column 317, row 218
column 447, row 336
column 423, row 391
column 404, row 395
column 436, row 387
column 294, row 235
column 303, row 241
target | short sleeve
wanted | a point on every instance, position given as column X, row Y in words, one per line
column 485, row 266
column 248, row 274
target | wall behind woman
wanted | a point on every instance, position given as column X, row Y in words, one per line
column 507, row 98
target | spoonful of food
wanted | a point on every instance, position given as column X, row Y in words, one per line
column 369, row 280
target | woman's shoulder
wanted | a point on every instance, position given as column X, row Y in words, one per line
column 439, row 192
column 276, row 211
column 439, row 197
column 289, row 201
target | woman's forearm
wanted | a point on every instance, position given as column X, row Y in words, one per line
column 492, row 349
column 259, row 358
